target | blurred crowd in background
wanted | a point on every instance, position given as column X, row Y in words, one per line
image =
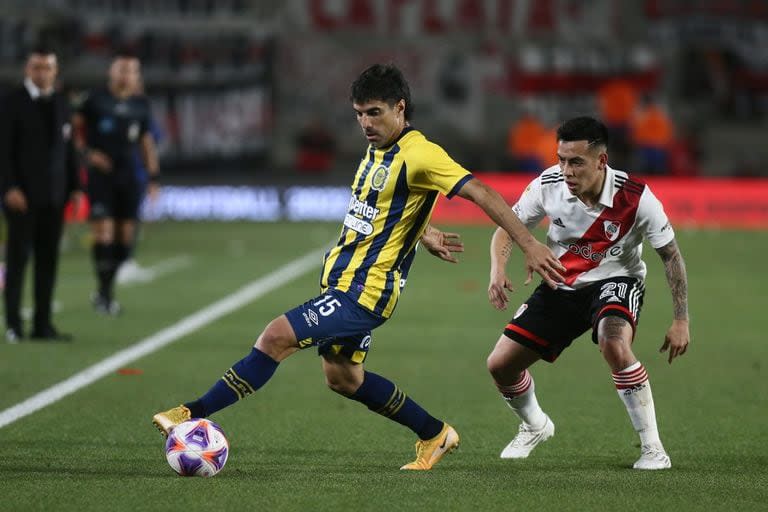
column 257, row 91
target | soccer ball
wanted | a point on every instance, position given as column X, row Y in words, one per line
column 197, row 447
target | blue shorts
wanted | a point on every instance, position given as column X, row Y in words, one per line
column 335, row 324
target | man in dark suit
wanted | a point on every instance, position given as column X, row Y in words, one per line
column 39, row 173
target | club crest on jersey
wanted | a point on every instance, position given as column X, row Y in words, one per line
column 379, row 178
column 612, row 229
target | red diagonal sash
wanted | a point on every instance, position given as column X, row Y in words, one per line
column 594, row 243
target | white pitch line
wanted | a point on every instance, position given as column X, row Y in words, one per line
column 148, row 274
column 193, row 322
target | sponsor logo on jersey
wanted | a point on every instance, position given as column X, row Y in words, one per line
column 612, row 229
column 558, row 222
column 360, row 216
column 359, row 225
column 587, row 252
column 362, row 209
column 379, row 178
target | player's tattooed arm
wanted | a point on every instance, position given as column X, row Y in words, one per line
column 506, row 249
column 501, row 249
column 674, row 267
column 678, row 336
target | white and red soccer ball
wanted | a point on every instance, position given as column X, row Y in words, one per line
column 197, row 447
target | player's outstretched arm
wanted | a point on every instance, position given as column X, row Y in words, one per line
column 538, row 257
column 441, row 244
column 501, row 248
column 678, row 336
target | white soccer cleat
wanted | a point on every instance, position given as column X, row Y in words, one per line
column 527, row 439
column 653, row 457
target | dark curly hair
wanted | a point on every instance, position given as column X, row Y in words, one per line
column 383, row 82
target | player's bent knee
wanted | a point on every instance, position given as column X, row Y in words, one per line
column 495, row 363
column 277, row 340
column 341, row 375
column 509, row 359
column 502, row 370
column 612, row 343
column 617, row 352
column 341, row 385
column 343, row 380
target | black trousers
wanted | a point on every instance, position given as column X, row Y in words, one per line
column 38, row 232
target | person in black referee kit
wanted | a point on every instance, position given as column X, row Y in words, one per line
column 39, row 173
column 110, row 125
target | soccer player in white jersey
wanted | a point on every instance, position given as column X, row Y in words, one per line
column 598, row 219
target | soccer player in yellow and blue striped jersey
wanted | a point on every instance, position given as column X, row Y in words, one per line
column 392, row 197
column 393, row 194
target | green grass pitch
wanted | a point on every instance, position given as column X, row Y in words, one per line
column 297, row 446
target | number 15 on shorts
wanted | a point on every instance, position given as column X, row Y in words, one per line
column 327, row 305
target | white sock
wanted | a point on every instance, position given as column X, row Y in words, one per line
column 635, row 391
column 521, row 398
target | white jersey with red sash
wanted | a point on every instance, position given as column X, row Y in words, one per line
column 600, row 242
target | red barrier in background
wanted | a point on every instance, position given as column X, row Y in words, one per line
column 689, row 202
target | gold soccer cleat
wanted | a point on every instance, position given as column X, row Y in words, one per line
column 165, row 421
column 429, row 453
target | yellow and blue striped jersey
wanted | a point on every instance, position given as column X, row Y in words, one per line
column 393, row 195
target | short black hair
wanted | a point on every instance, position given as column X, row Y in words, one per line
column 124, row 52
column 382, row 82
column 583, row 128
column 41, row 49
